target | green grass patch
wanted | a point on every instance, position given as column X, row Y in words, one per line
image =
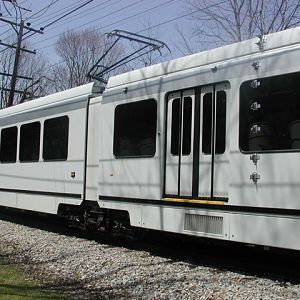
column 15, row 285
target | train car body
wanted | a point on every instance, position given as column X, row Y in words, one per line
column 204, row 145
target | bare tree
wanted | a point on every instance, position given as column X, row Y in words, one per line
column 218, row 22
column 79, row 51
column 31, row 66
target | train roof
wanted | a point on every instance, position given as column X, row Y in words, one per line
column 80, row 91
column 272, row 41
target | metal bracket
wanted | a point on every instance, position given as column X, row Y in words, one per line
column 255, row 106
column 256, row 65
column 255, row 129
column 262, row 42
column 255, row 158
column 255, row 84
column 254, row 177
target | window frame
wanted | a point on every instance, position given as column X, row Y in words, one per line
column 241, row 107
column 39, row 142
column 67, row 139
column 115, row 125
column 16, row 145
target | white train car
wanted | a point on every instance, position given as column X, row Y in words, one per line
column 205, row 145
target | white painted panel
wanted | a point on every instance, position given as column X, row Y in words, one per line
column 262, row 230
column 278, row 185
column 37, row 203
column 8, row 199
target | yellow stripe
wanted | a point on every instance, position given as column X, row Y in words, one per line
column 194, row 201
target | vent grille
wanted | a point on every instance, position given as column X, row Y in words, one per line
column 203, row 223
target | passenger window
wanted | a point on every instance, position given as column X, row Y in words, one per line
column 270, row 114
column 8, row 148
column 135, row 129
column 56, row 137
column 207, row 123
column 186, row 126
column 175, row 127
column 220, row 123
column 30, row 142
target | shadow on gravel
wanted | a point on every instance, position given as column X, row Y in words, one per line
column 223, row 256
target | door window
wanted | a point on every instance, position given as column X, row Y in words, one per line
column 183, row 132
column 220, row 123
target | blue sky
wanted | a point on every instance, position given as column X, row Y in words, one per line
column 106, row 15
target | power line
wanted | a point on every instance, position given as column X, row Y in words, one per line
column 102, row 17
column 62, row 11
column 113, row 23
column 68, row 13
column 151, row 27
column 44, row 9
column 20, row 28
column 80, row 14
column 61, row 17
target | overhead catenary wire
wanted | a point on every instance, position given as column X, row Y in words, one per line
column 102, row 17
column 111, row 24
column 48, row 6
column 66, row 14
column 122, row 21
column 143, row 30
column 81, row 13
column 55, row 15
column 42, row 10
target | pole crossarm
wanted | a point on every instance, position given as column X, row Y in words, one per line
column 24, row 26
column 14, row 47
column 21, row 29
column 19, row 76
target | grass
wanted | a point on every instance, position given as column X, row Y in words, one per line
column 14, row 285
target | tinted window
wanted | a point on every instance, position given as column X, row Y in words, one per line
column 175, row 127
column 135, row 129
column 56, row 136
column 30, row 142
column 220, row 123
column 187, row 126
column 270, row 114
column 8, row 150
column 183, row 124
column 207, row 123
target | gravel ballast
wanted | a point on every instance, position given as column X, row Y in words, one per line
column 89, row 269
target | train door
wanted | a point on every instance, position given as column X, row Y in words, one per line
column 213, row 153
column 179, row 148
column 196, row 154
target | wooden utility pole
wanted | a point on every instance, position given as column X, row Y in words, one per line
column 19, row 29
column 16, row 65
